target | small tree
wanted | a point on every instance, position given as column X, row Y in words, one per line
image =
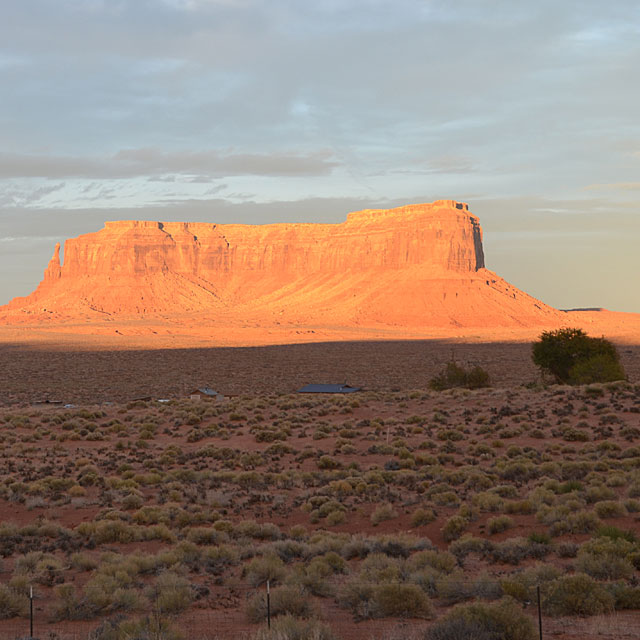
column 573, row 357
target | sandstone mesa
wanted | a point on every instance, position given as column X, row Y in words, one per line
column 414, row 266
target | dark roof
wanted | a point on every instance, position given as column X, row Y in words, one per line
column 328, row 388
column 207, row 391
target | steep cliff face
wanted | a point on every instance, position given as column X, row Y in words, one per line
column 418, row 265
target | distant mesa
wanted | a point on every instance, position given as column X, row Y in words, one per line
column 419, row 265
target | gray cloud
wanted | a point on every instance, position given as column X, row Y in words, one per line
column 627, row 186
column 130, row 163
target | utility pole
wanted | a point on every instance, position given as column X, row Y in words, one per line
column 31, row 612
column 539, row 612
column 268, row 606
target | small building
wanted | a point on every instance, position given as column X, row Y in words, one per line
column 328, row 388
column 205, row 392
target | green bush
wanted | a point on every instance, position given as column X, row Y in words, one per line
column 503, row 620
column 573, row 357
column 453, row 375
column 577, row 595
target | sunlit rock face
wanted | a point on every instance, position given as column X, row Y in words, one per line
column 417, row 265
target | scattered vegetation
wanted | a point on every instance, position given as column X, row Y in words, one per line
column 391, row 505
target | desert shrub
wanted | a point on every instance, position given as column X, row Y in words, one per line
column 27, row 563
column 172, row 593
column 378, row 567
column 312, row 578
column 567, row 549
column 521, row 586
column 205, row 535
column 573, row 357
column 632, row 506
column 486, row 587
column 488, row 501
column 441, row 561
column 503, row 620
column 83, row 561
column 335, row 517
column 468, row 544
column 454, row 528
column 368, row 599
column 626, row 596
column 291, row 628
column 420, row 517
column 357, row 595
column 453, row 375
column 453, row 588
column 49, row 571
column 539, row 537
column 68, row 606
column 610, row 509
column 606, row 558
column 146, row 628
column 579, row 595
column 499, row 524
column 259, row 570
column 287, row 600
column 12, row 603
column 615, row 533
column 580, row 522
column 514, row 550
column 401, row 601
column 382, row 513
column 598, row 493
column 132, row 502
column 216, row 559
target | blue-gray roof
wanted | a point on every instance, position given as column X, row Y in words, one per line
column 328, row 388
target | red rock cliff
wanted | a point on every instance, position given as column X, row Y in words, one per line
column 418, row 264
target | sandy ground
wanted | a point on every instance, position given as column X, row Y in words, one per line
column 98, row 363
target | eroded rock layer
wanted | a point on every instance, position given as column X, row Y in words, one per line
column 418, row 265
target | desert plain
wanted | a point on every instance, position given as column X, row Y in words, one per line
column 116, row 507
column 135, row 509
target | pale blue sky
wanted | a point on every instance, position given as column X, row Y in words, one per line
column 263, row 111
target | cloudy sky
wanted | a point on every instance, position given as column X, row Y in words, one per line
column 262, row 111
